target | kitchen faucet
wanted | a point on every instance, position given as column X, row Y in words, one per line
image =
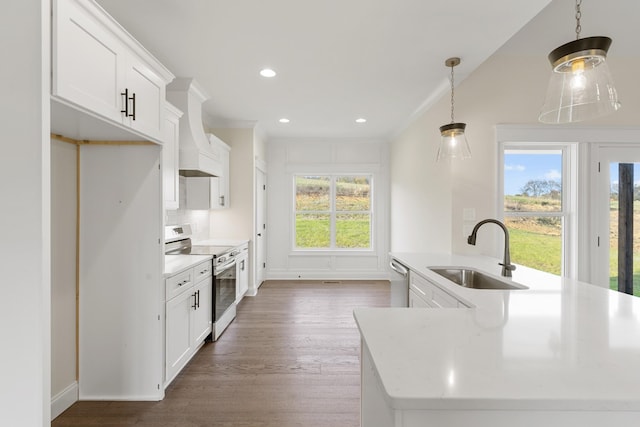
column 507, row 267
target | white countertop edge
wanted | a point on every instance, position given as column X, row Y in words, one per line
column 176, row 264
column 221, row 242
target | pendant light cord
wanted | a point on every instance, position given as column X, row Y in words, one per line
column 578, row 16
column 452, row 94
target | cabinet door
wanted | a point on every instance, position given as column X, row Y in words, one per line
column 178, row 332
column 88, row 61
column 202, row 313
column 146, row 92
column 415, row 301
column 242, row 275
column 170, row 149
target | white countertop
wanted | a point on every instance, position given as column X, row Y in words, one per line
column 559, row 345
column 174, row 264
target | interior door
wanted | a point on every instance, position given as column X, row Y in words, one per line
column 617, row 210
column 261, row 228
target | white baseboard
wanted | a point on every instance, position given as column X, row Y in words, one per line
column 63, row 400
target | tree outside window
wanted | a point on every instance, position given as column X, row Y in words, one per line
column 533, row 207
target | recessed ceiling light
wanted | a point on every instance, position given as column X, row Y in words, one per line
column 284, row 120
column 361, row 120
column 267, row 72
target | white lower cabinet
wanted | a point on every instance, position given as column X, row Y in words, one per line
column 417, row 301
column 242, row 272
column 188, row 316
column 425, row 294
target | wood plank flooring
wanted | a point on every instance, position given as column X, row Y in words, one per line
column 291, row 358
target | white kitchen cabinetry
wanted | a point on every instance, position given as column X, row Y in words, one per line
column 220, row 184
column 211, row 193
column 242, row 272
column 99, row 68
column 425, row 294
column 170, row 157
column 188, row 316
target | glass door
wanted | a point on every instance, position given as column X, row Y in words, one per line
column 618, row 218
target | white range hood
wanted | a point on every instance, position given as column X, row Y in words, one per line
column 197, row 158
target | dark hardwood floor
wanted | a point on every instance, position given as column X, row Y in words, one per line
column 291, row 358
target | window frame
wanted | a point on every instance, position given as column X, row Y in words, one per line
column 333, row 212
column 569, row 236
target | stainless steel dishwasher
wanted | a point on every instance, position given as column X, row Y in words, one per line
column 399, row 284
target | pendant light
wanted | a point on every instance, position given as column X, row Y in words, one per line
column 453, row 142
column 581, row 87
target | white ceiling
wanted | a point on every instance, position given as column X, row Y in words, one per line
column 337, row 60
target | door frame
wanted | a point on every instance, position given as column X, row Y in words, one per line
column 260, row 242
column 603, row 155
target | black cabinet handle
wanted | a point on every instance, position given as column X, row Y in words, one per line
column 133, row 109
column 198, row 303
column 128, row 98
column 125, row 102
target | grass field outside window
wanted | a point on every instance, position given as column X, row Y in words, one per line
column 333, row 212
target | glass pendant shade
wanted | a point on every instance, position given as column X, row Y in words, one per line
column 581, row 87
column 453, row 142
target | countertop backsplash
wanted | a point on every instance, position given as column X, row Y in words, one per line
column 199, row 219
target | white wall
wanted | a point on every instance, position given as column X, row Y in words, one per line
column 288, row 157
column 64, row 387
column 24, row 176
column 420, row 188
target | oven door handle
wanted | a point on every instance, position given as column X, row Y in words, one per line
column 223, row 267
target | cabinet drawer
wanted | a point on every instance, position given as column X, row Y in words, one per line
column 179, row 283
column 420, row 286
column 443, row 299
column 202, row 271
column 416, row 301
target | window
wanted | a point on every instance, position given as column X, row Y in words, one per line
column 333, row 212
column 537, row 205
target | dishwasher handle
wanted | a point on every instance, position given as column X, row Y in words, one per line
column 398, row 268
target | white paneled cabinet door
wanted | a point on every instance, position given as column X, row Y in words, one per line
column 145, row 104
column 170, row 150
column 178, row 333
column 88, row 61
column 242, row 274
column 202, row 310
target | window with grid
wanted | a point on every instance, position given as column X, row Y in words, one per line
column 537, row 205
column 333, row 212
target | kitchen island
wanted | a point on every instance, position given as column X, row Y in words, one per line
column 559, row 353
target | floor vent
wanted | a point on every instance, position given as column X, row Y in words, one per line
column 331, row 282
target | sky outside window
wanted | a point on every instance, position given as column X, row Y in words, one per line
column 521, row 167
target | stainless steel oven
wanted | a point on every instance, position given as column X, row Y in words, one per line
column 224, row 286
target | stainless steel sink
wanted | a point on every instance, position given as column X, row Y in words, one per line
column 472, row 278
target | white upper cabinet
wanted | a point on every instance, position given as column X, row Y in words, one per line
column 211, row 193
column 220, row 184
column 170, row 150
column 99, row 68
